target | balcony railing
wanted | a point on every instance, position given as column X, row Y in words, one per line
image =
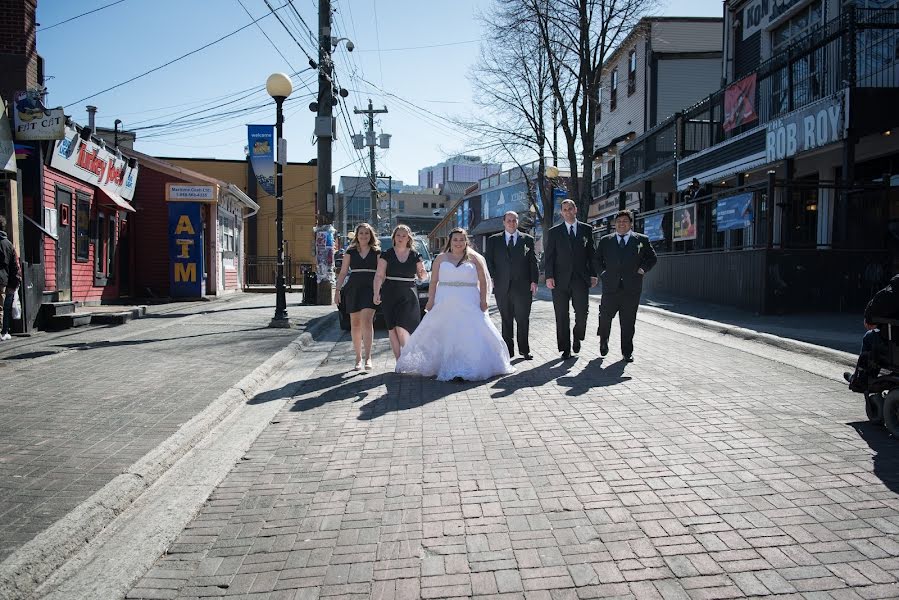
column 653, row 149
column 860, row 48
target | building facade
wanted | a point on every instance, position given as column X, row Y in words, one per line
column 664, row 64
column 786, row 178
column 456, row 168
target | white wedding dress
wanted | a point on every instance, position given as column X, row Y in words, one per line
column 456, row 338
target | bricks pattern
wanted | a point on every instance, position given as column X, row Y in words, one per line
column 696, row 472
column 71, row 422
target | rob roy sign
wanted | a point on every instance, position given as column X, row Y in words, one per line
column 812, row 127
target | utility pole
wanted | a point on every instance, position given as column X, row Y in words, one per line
column 323, row 122
column 370, row 142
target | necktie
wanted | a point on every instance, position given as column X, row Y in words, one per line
column 621, row 241
column 511, row 241
column 571, row 232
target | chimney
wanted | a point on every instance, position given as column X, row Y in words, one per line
column 20, row 64
column 92, row 117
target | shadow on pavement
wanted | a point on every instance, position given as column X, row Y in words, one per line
column 886, row 447
column 532, row 377
column 594, row 375
column 406, row 392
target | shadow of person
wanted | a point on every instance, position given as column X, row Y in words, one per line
column 337, row 387
column 886, row 459
column 405, row 392
column 593, row 376
column 536, row 377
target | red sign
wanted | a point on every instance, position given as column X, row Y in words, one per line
column 739, row 103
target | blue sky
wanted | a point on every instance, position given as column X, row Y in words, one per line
column 110, row 46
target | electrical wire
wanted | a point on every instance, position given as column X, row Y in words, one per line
column 49, row 27
column 275, row 46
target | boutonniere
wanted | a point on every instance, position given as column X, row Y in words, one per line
column 585, row 242
column 526, row 249
column 639, row 246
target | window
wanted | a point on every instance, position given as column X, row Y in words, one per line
column 613, row 93
column 632, row 72
column 110, row 250
column 797, row 27
column 100, row 250
column 227, row 232
column 83, row 230
column 401, row 205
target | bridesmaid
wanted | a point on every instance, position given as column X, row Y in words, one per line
column 361, row 260
column 395, row 287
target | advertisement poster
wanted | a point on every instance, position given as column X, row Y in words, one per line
column 734, row 212
column 683, row 223
column 94, row 164
column 652, row 227
column 185, row 250
column 739, row 103
column 261, row 146
column 324, row 253
column 33, row 120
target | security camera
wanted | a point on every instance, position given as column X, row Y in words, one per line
column 349, row 46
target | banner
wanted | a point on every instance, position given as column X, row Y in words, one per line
column 652, row 227
column 261, row 146
column 683, row 223
column 94, row 164
column 739, row 103
column 34, row 121
column 734, row 212
column 185, row 250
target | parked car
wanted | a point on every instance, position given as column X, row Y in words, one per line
column 421, row 246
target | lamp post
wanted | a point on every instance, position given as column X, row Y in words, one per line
column 116, row 134
column 279, row 87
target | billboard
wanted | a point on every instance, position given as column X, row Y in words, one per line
column 652, row 227
column 734, row 212
column 683, row 223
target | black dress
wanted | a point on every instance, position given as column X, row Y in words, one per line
column 359, row 291
column 399, row 295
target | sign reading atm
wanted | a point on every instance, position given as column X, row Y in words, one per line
column 185, row 249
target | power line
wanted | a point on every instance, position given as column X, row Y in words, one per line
column 303, row 21
column 378, row 40
column 183, row 56
column 48, row 27
column 275, row 46
column 287, row 29
column 422, row 47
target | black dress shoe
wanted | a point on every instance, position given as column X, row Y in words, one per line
column 628, row 358
column 528, row 356
column 576, row 346
column 566, row 355
column 603, row 347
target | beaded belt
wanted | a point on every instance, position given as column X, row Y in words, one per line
column 458, row 283
column 362, row 271
column 400, row 278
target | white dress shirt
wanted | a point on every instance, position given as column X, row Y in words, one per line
column 511, row 236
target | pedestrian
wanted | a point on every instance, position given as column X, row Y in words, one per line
column 360, row 261
column 394, row 287
column 570, row 274
column 622, row 259
column 883, row 305
column 457, row 339
column 512, row 263
column 9, row 279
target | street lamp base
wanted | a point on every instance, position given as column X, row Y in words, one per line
column 280, row 323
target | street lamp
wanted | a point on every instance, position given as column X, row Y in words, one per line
column 279, row 87
column 116, row 134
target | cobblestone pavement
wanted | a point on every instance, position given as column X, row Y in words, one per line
column 78, row 407
column 699, row 471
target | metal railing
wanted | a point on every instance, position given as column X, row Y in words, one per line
column 652, row 149
column 263, row 271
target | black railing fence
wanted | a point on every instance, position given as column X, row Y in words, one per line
column 263, row 271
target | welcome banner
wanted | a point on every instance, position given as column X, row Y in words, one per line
column 261, row 146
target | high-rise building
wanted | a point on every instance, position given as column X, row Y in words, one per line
column 457, row 168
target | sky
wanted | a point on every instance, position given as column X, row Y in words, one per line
column 412, row 56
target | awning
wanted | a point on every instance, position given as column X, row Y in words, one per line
column 244, row 199
column 115, row 199
column 494, row 225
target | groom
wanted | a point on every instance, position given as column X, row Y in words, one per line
column 623, row 258
column 512, row 263
column 570, row 274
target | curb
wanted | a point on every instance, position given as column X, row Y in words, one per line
column 29, row 566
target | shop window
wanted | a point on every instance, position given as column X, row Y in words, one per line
column 796, row 27
column 110, row 249
column 83, row 230
column 613, row 92
column 100, row 245
column 632, row 72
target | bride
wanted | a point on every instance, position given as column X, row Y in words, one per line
column 456, row 339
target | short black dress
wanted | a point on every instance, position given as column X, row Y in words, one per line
column 399, row 296
column 359, row 291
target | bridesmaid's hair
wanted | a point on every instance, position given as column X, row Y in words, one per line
column 449, row 244
column 374, row 241
column 404, row 228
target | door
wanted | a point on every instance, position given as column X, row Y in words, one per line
column 124, row 259
column 64, row 244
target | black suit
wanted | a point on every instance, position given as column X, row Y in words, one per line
column 569, row 261
column 513, row 270
column 621, row 283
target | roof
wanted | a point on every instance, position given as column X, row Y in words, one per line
column 493, row 225
column 455, row 188
column 644, row 25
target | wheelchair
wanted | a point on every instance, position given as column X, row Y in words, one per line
column 882, row 395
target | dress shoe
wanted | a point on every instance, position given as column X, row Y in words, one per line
column 576, row 346
column 566, row 355
column 528, row 356
column 603, row 347
column 628, row 358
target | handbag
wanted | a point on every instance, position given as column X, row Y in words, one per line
column 16, row 306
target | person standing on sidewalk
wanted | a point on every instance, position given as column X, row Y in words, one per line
column 512, row 263
column 9, row 278
column 570, row 274
column 395, row 287
column 622, row 259
column 883, row 305
column 361, row 262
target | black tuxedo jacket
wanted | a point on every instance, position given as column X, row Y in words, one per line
column 566, row 259
column 619, row 267
column 511, row 268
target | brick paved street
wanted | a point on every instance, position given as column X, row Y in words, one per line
column 699, row 471
column 78, row 407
